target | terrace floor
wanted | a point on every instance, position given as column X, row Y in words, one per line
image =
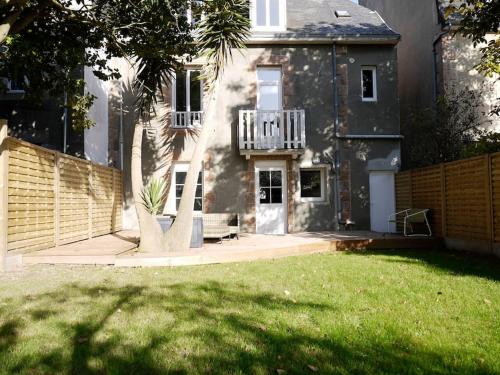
column 120, row 249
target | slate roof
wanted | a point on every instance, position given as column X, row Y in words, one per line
column 316, row 19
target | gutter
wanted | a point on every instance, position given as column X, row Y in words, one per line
column 437, row 39
column 326, row 39
column 369, row 136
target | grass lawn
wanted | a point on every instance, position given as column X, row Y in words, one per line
column 404, row 312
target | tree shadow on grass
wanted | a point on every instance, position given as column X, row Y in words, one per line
column 205, row 327
column 454, row 262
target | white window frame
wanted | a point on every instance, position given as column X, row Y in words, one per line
column 267, row 27
column 8, row 83
column 373, row 69
column 190, row 13
column 323, row 173
column 180, row 167
column 261, row 83
column 188, row 90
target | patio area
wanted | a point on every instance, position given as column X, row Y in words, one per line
column 120, row 249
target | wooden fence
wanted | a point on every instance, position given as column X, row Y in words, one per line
column 50, row 199
column 464, row 198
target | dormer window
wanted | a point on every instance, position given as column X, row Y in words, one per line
column 268, row 15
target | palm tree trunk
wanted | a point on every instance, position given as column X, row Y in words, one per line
column 178, row 238
column 151, row 232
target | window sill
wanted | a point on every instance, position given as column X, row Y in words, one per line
column 314, row 200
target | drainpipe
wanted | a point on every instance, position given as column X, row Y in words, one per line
column 65, row 125
column 337, row 139
column 437, row 39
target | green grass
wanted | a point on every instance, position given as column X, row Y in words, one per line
column 404, row 312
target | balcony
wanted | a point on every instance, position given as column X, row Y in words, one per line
column 187, row 120
column 277, row 132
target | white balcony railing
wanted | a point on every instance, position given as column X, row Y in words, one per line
column 272, row 130
column 187, row 120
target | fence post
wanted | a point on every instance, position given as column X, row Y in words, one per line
column 57, row 198
column 4, row 192
column 443, row 200
column 90, row 200
column 489, row 203
column 411, row 188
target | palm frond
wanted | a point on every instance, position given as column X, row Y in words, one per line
column 224, row 27
column 153, row 195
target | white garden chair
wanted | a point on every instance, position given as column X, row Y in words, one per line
column 409, row 217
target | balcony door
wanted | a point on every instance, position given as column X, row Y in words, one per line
column 271, row 197
column 187, row 99
column 269, row 106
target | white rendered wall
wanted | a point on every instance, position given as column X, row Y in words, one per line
column 96, row 138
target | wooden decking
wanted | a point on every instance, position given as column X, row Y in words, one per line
column 119, row 249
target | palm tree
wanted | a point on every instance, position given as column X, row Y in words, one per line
column 225, row 26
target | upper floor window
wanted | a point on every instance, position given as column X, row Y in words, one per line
column 11, row 86
column 369, row 83
column 268, row 15
column 187, row 99
column 194, row 13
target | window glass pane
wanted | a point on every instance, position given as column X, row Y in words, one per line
column 276, row 195
column 180, row 92
column 180, row 178
column 178, row 190
column 269, row 97
column 264, row 178
column 261, row 12
column 265, row 195
column 196, row 8
column 195, row 91
column 310, row 184
column 276, row 178
column 198, row 204
column 269, row 75
column 274, row 12
column 368, row 83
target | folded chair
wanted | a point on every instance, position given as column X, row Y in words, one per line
column 410, row 217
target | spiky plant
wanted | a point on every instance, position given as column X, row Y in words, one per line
column 153, row 195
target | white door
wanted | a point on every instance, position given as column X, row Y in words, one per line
column 271, row 197
column 269, row 105
column 382, row 201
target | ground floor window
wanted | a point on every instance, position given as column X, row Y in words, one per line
column 178, row 180
column 312, row 184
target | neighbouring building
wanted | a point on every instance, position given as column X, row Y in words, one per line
column 46, row 123
column 432, row 57
column 308, row 128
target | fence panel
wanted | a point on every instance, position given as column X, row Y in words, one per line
column 118, row 201
column 54, row 199
column 426, row 193
column 467, row 199
column 464, row 197
column 495, row 192
column 102, row 200
column 73, row 199
column 31, row 197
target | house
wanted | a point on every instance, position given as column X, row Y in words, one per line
column 432, row 58
column 308, row 130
